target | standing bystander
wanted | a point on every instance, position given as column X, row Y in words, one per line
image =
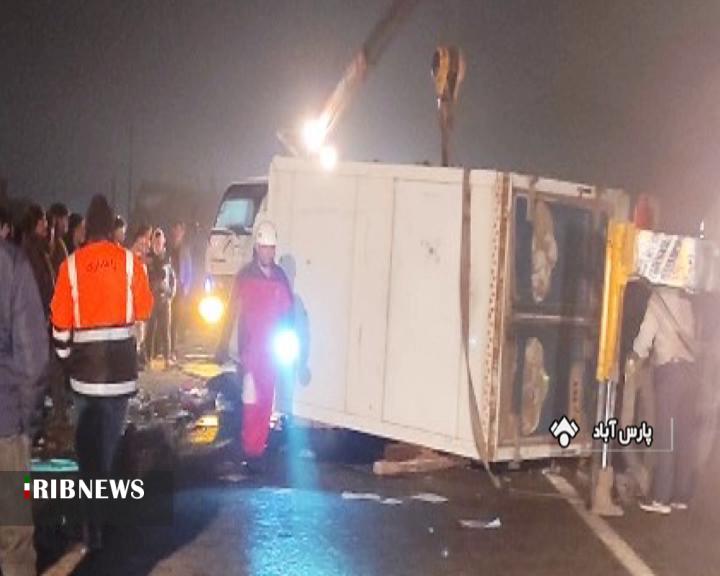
column 119, row 231
column 668, row 332
column 163, row 285
column 102, row 290
column 75, row 236
column 35, row 246
column 58, row 224
column 23, row 355
column 6, row 227
column 181, row 260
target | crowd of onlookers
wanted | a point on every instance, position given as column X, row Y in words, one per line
column 48, row 237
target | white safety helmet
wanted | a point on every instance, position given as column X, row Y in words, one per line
column 266, row 234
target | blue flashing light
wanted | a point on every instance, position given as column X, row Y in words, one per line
column 286, row 347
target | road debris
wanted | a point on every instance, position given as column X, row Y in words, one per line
column 281, row 491
column 233, row 478
column 430, row 498
column 482, row 524
column 307, row 454
column 361, row 496
column 407, row 459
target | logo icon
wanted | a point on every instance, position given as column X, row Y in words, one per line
column 564, row 430
column 26, row 487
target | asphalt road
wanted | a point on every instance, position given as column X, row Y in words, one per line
column 307, row 517
column 298, row 522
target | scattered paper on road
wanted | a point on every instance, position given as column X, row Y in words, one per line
column 234, row 478
column 481, row 524
column 198, row 356
column 306, row 454
column 392, row 501
column 430, row 498
column 361, row 496
column 280, row 491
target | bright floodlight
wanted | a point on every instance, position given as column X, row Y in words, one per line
column 286, row 347
column 314, row 132
column 328, row 157
column 212, row 309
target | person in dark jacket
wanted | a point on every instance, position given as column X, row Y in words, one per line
column 58, row 218
column 58, row 224
column 182, row 265
column 75, row 236
column 35, row 246
column 163, row 285
column 6, row 226
column 119, row 231
column 23, row 355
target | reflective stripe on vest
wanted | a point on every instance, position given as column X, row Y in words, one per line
column 72, row 275
column 61, row 335
column 129, row 271
column 108, row 389
column 104, row 334
column 103, row 361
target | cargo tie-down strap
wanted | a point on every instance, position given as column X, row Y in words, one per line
column 465, row 260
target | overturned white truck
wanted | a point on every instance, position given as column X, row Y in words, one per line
column 454, row 309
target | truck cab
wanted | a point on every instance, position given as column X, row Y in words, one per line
column 230, row 244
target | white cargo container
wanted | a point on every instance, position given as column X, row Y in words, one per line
column 378, row 251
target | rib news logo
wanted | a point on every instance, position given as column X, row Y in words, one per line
column 80, row 489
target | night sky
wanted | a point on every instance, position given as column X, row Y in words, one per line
column 619, row 93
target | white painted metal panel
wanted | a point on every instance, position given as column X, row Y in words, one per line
column 315, row 215
column 361, row 379
column 422, row 376
column 369, row 308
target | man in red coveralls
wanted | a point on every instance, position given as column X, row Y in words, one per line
column 261, row 302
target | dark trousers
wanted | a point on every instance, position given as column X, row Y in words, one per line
column 58, row 388
column 177, row 321
column 676, row 393
column 159, row 326
column 100, row 424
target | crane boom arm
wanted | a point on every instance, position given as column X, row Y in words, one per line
column 316, row 131
column 368, row 55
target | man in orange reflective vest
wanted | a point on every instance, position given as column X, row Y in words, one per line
column 102, row 289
